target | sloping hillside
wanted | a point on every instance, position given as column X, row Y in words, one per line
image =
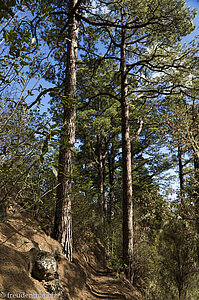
column 87, row 277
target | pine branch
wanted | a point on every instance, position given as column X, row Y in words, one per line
column 41, row 94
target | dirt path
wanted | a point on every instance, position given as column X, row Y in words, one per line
column 101, row 283
column 87, row 278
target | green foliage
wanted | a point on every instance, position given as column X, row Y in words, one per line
column 173, row 264
column 21, row 172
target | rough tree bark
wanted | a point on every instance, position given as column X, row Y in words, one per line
column 196, row 195
column 63, row 217
column 111, row 167
column 100, row 183
column 101, row 160
column 110, row 215
column 126, row 163
column 181, row 175
column 194, row 141
column 105, row 207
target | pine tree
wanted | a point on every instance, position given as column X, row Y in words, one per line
column 63, row 218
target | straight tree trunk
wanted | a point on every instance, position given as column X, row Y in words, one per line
column 110, row 214
column 104, row 187
column 181, row 176
column 102, row 197
column 100, row 184
column 111, row 183
column 196, row 169
column 63, row 215
column 126, row 164
column 196, row 195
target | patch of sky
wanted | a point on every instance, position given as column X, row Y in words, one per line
column 192, row 4
column 167, row 181
column 169, row 185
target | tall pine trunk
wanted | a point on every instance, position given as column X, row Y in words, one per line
column 63, row 215
column 100, row 184
column 111, row 169
column 126, row 165
column 101, row 179
column 196, row 195
column 181, row 175
column 105, row 207
column 110, row 214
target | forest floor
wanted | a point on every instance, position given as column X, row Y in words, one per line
column 87, row 277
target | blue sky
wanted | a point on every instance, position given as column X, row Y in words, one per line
column 193, row 4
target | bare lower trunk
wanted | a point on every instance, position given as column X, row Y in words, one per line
column 63, row 215
column 126, row 164
column 100, row 185
column 102, row 197
column 104, row 187
column 111, row 183
column 196, row 181
column 111, row 168
column 196, row 194
column 181, row 177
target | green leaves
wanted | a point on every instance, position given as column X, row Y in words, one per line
column 55, row 172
